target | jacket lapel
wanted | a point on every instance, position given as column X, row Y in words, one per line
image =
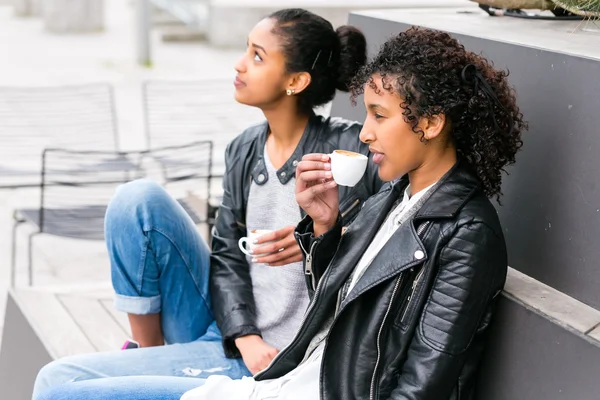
column 402, row 251
column 361, row 232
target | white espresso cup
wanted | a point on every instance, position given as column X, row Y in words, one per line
column 347, row 167
column 247, row 243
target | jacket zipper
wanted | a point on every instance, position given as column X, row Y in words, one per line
column 373, row 380
column 420, row 230
column 306, row 315
column 412, row 291
column 308, row 262
column 352, row 207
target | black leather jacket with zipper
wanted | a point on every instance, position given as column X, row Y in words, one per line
column 415, row 324
column 231, row 286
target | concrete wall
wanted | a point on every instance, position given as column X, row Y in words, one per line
column 529, row 357
column 551, row 203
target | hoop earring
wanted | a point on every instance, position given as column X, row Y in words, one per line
column 290, row 92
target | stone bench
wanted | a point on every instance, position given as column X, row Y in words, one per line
column 44, row 324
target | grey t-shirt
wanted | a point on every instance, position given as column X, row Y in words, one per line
column 280, row 292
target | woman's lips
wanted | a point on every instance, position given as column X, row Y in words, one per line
column 238, row 82
column 377, row 157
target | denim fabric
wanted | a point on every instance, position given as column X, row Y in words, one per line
column 159, row 263
column 126, row 388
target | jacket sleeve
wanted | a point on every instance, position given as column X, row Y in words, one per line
column 230, row 281
column 472, row 270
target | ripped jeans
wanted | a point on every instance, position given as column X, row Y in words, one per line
column 159, row 263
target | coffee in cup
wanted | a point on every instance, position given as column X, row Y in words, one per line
column 347, row 167
column 247, row 243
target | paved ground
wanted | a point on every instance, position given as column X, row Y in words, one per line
column 30, row 56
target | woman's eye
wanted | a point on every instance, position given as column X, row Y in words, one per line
column 378, row 116
column 257, row 57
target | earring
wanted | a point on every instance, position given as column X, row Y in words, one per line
column 290, row 92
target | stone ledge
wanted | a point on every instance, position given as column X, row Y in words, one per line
column 595, row 333
column 558, row 307
column 230, row 21
column 559, row 36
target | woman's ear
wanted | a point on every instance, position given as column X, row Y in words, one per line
column 433, row 126
column 299, row 82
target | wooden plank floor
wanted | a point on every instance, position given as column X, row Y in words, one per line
column 74, row 320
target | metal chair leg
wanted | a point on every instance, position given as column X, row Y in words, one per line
column 30, row 258
column 13, row 255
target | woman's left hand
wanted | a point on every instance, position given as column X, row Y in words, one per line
column 284, row 249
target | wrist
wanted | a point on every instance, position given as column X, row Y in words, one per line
column 244, row 341
column 321, row 229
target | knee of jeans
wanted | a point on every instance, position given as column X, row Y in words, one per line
column 131, row 199
column 52, row 374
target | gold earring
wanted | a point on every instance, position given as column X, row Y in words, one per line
column 290, row 92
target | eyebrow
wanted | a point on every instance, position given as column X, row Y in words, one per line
column 256, row 46
column 375, row 107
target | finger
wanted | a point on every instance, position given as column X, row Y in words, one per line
column 275, row 235
column 288, row 241
column 312, row 166
column 314, row 176
column 279, row 256
column 296, row 258
column 316, row 157
column 307, row 195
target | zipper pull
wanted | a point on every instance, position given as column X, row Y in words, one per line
column 308, row 265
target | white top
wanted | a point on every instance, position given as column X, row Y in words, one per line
column 302, row 383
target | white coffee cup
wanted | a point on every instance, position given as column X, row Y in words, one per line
column 347, row 167
column 247, row 243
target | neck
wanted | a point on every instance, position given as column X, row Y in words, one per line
column 286, row 124
column 432, row 170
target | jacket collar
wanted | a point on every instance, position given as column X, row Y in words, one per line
column 449, row 196
column 260, row 175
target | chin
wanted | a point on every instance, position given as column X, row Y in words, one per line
column 384, row 175
column 388, row 175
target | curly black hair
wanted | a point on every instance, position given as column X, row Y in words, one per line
column 310, row 44
column 428, row 70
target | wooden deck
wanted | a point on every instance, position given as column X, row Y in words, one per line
column 43, row 324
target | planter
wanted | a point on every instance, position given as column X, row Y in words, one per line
column 520, row 4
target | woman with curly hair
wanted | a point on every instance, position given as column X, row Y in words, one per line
column 401, row 302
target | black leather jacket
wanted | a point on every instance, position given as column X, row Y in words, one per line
column 231, row 286
column 414, row 325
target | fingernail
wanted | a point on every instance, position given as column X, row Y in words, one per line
column 328, row 174
column 251, row 251
column 327, row 166
column 255, row 260
column 255, row 241
column 332, row 183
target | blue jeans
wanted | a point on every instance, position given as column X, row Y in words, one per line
column 124, row 388
column 159, row 264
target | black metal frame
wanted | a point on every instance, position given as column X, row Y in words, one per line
column 19, row 219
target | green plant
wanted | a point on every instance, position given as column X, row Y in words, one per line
column 587, row 8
